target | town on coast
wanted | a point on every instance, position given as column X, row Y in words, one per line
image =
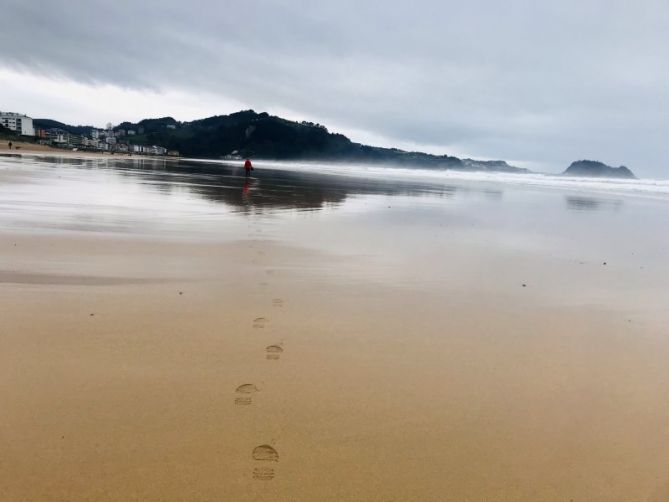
column 110, row 139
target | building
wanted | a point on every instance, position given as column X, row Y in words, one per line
column 21, row 124
column 75, row 140
column 149, row 150
column 58, row 137
column 91, row 143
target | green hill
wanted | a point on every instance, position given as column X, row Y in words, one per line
column 260, row 135
column 51, row 124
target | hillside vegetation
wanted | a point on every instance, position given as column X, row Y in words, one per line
column 260, row 135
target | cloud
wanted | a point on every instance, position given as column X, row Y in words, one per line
column 543, row 82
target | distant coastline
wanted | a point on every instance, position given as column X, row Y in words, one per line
column 261, row 136
column 247, row 134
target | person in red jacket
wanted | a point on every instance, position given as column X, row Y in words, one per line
column 248, row 167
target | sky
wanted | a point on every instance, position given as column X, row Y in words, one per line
column 535, row 82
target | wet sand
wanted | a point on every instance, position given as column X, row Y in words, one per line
column 186, row 335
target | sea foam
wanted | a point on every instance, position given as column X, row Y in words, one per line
column 650, row 188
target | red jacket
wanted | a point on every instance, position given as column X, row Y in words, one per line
column 247, row 165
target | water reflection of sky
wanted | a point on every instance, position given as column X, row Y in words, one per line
column 401, row 231
column 137, row 196
column 586, row 203
column 197, row 200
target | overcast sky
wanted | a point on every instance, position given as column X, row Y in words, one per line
column 540, row 83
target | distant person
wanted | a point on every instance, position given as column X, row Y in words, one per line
column 10, row 145
column 248, row 167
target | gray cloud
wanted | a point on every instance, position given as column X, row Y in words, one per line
column 547, row 82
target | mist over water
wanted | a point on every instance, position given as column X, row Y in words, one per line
column 642, row 187
column 200, row 198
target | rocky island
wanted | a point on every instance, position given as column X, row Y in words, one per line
column 596, row 169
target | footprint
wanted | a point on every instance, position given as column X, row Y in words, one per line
column 247, row 388
column 274, row 352
column 277, row 302
column 263, row 473
column 264, row 453
column 259, row 322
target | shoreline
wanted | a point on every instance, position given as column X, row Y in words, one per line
column 33, row 149
column 657, row 189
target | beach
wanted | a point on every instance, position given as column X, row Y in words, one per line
column 173, row 331
column 28, row 148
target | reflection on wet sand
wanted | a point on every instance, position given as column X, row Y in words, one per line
column 268, row 189
column 272, row 188
column 583, row 203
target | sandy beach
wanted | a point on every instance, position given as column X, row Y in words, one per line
column 176, row 332
column 23, row 148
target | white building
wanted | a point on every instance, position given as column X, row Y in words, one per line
column 149, row 150
column 58, row 136
column 22, row 124
column 90, row 142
